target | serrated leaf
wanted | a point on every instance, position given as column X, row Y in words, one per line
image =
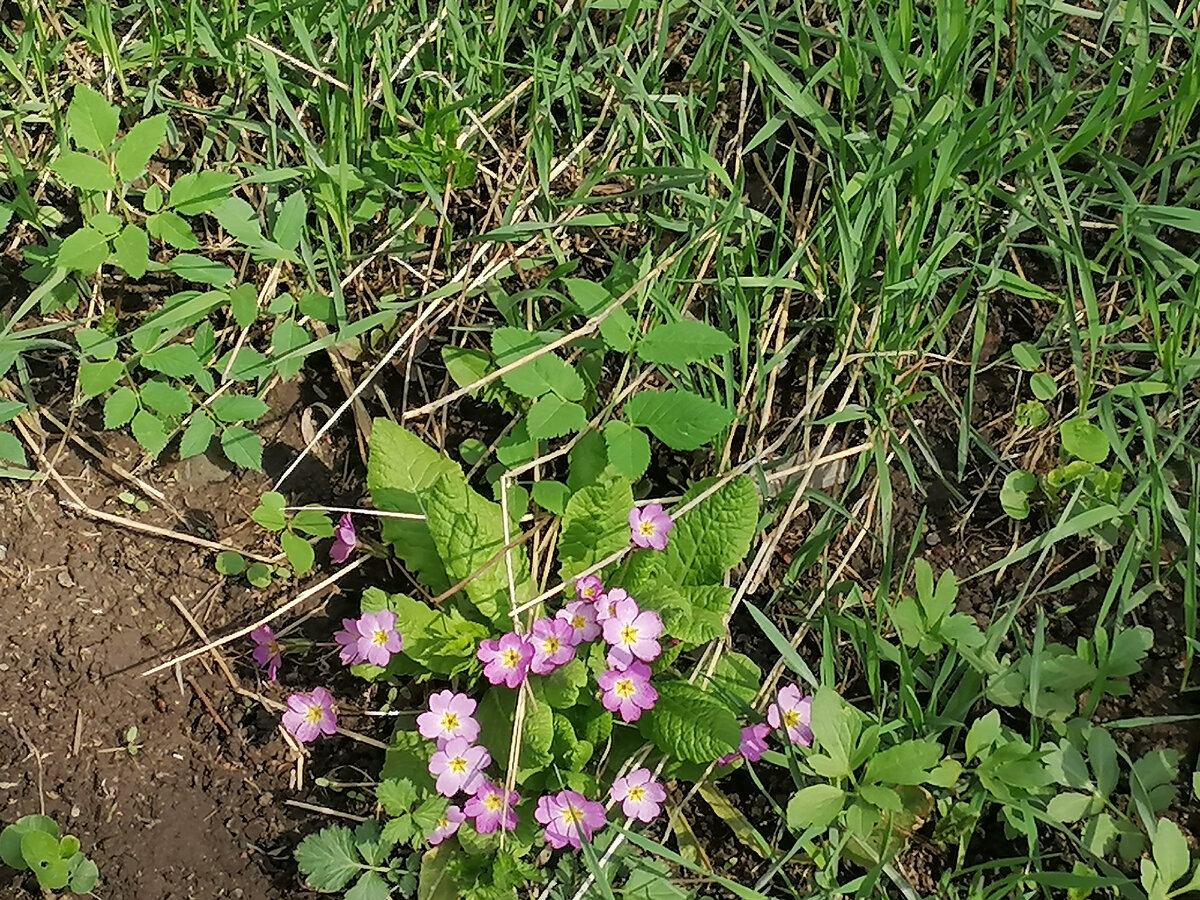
column 139, row 145
column 739, row 675
column 242, row 447
column 97, row 377
column 715, row 536
column 96, row 344
column 91, row 119
column 83, row 171
column 551, row 417
column 132, row 250
column 370, row 886
column 172, row 229
column 539, row 376
column 299, row 552
column 200, row 192
column 82, row 251
column 628, row 449
column 201, row 270
column 815, row 806
column 690, row 724
column 120, row 407
column 328, row 859
column 239, row 408
column 11, row 448
column 680, row 419
column 1084, row 440
column 197, row 436
column 174, row 360
column 150, row 432
column 166, row 400
column 551, row 496
column 1168, row 845
column 106, row 223
column 679, row 343
column 396, row 795
column 591, row 298
column 595, row 524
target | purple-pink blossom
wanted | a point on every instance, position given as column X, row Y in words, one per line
column 553, row 645
column 267, row 651
column 581, row 616
column 450, row 716
column 310, row 715
column 607, row 604
column 344, row 539
column 792, row 712
column 753, row 745
column 570, row 818
column 650, row 526
column 372, row 638
column 506, row 659
column 447, row 825
column 458, row 766
column 589, row 587
column 628, row 691
column 632, row 634
column 639, row 794
column 493, row 807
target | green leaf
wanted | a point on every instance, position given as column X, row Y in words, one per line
column 199, row 269
column 738, row 675
column 836, row 725
column 397, row 796
column 166, row 400
column 595, row 524
column 715, row 536
column 1084, row 440
column 1014, row 495
column 815, row 806
column 150, row 432
column 552, row 417
column 551, row 496
column 299, row 552
column 173, row 229
column 96, row 344
column 540, row 376
column 120, row 407
column 197, row 436
column 496, row 715
column 984, row 732
column 10, row 838
column 312, row 522
column 628, row 449
column 592, row 299
column 561, row 687
column 1031, row 414
column 1027, row 356
column 152, row 200
column 464, row 365
column 318, row 306
column 289, row 223
column 690, row 724
column 1169, row 846
column 370, row 886
column 41, row 854
column 174, row 360
column 11, row 448
column 230, row 563
column 906, row 763
column 1102, row 757
column 1068, row 807
column 92, row 120
column 84, row 874
column 83, row 171
column 242, row 447
column 200, row 192
column 132, row 249
column 106, row 223
column 97, row 377
column 1044, row 386
column 680, row 419
column 679, row 343
column 83, row 251
column 258, row 575
column 243, row 303
column 139, row 145
column 239, row 408
column 328, row 859
column 269, row 513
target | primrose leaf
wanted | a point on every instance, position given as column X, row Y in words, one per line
column 680, row 419
column 328, row 859
column 690, row 724
column 595, row 524
column 715, row 536
column 677, row 344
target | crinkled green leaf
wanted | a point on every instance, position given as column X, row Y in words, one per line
column 715, row 536
column 438, row 642
column 496, row 715
column 690, row 724
column 595, row 524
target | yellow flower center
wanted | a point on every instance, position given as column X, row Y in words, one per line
column 314, row 714
column 570, row 815
column 273, row 648
column 629, row 635
column 637, row 793
column 493, row 802
column 510, row 659
column 450, row 722
column 647, row 529
column 791, row 718
column 443, row 822
column 589, row 593
column 550, row 646
column 458, row 765
column 578, row 622
column 379, row 638
column 624, row 688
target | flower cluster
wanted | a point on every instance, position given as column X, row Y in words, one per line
column 791, row 713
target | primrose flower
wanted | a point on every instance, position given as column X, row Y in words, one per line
column 371, row 638
column 493, row 807
column 589, row 587
column 650, row 526
column 459, row 766
column 447, row 825
column 628, row 691
column 310, row 715
column 581, row 616
column 753, row 745
column 792, row 712
column 569, row 818
column 450, row 716
column 267, row 652
column 639, row 794
column 553, row 645
column 505, row 660
column 344, row 539
column 606, row 606
column 632, row 634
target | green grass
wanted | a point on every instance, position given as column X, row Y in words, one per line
column 874, row 202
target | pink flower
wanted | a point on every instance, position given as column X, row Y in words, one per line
column 639, row 794
column 792, row 712
column 553, row 645
column 505, row 661
column 370, row 638
column 589, row 587
column 493, row 807
column 569, row 818
column 628, row 691
column 581, row 616
column 451, row 819
column 459, row 767
column 344, row 539
column 450, row 716
column 606, row 606
column 650, row 526
column 753, row 746
column 310, row 715
column 632, row 634
column 267, row 652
